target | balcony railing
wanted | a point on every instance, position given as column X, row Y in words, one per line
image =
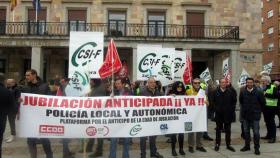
column 131, row 30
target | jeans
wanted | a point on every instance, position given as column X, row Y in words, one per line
column 191, row 140
column 3, row 119
column 12, row 118
column 180, row 140
column 219, row 127
column 256, row 132
column 33, row 149
column 113, row 148
column 99, row 148
column 153, row 148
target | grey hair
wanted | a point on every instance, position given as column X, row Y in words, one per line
column 267, row 78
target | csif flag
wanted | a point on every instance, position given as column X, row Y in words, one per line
column 187, row 76
column 13, row 4
column 36, row 5
column 112, row 63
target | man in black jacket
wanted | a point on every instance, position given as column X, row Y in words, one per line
column 36, row 86
column 12, row 86
column 150, row 90
column 7, row 105
column 224, row 99
column 251, row 101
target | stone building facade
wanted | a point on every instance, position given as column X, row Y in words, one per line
column 211, row 29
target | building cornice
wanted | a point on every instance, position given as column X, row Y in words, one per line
column 77, row 1
column 196, row 4
column 30, row 1
column 145, row 2
column 117, row 2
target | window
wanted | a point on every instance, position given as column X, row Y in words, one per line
column 195, row 24
column 38, row 27
column 270, row 47
column 270, row 14
column 77, row 20
column 270, row 30
column 156, row 23
column 2, row 21
column 117, row 23
column 2, row 65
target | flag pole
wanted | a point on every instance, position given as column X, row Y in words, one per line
column 13, row 15
column 36, row 8
column 112, row 70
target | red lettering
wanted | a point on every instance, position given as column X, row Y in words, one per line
column 73, row 103
column 50, row 102
column 149, row 101
column 108, row 103
column 162, row 102
column 156, row 103
column 97, row 103
column 25, row 100
column 88, row 103
column 117, row 103
column 33, row 101
column 169, row 102
column 137, row 102
column 64, row 103
column 42, row 102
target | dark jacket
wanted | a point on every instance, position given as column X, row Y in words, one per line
column 7, row 103
column 16, row 94
column 37, row 88
column 225, row 103
column 251, row 104
column 147, row 92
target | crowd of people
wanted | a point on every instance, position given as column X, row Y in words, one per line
column 255, row 98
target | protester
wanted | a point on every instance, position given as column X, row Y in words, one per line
column 12, row 86
column 36, row 86
column 150, row 90
column 251, row 100
column 7, row 105
column 178, row 88
column 224, row 99
column 199, row 146
column 97, row 89
column 269, row 110
column 121, row 90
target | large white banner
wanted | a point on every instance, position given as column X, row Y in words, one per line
column 85, row 53
column 156, row 62
column 122, row 116
column 180, row 63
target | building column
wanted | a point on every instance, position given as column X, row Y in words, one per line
column 235, row 66
column 134, row 64
column 37, row 60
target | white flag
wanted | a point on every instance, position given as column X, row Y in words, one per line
column 205, row 75
column 268, row 67
column 225, row 68
column 242, row 79
column 78, row 85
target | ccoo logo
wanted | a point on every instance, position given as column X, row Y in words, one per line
column 84, row 54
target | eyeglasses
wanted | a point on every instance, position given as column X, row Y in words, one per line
column 179, row 87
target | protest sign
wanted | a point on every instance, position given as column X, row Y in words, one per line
column 85, row 53
column 120, row 116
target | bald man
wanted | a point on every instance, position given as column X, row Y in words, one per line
column 12, row 86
